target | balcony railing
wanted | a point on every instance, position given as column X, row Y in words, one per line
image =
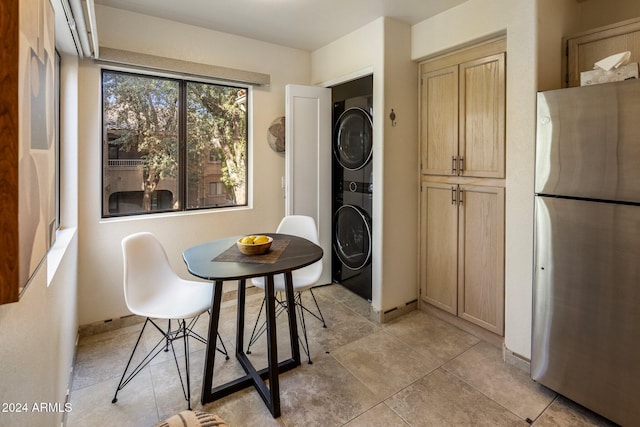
column 125, row 163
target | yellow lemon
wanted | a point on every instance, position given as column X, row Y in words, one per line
column 247, row 240
column 260, row 240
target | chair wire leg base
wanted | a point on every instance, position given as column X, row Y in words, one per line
column 321, row 318
column 122, row 382
column 258, row 332
column 300, row 309
column 183, row 332
column 203, row 340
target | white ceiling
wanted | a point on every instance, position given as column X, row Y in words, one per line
column 300, row 24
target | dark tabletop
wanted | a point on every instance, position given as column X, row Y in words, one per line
column 200, row 262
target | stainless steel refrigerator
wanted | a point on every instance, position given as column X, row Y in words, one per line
column 586, row 320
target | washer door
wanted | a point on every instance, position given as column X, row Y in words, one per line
column 353, row 138
column 352, row 237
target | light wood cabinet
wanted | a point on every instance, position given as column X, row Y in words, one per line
column 462, row 149
column 462, row 110
column 439, row 245
column 439, row 121
column 585, row 49
column 481, row 256
column 463, row 252
column 482, row 103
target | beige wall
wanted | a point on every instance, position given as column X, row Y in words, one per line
column 473, row 21
column 555, row 21
column 100, row 259
column 382, row 48
column 357, row 54
column 598, row 13
column 534, row 32
column 399, row 201
column 38, row 333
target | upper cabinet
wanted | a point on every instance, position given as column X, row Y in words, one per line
column 482, row 99
column 462, row 107
column 439, row 124
column 585, row 49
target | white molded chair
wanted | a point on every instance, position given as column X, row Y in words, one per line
column 153, row 290
column 303, row 279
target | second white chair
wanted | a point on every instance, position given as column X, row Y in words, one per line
column 303, row 279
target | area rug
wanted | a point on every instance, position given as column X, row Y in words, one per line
column 193, row 419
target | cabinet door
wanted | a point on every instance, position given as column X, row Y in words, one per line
column 439, row 249
column 439, row 121
column 481, row 257
column 482, row 106
column 588, row 48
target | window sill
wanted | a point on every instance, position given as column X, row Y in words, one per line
column 58, row 251
column 150, row 216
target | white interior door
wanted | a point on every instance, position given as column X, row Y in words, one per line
column 308, row 161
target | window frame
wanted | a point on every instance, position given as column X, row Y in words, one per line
column 181, row 176
column 57, row 97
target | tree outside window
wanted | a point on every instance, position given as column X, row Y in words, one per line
column 159, row 137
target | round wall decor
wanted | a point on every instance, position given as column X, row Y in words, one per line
column 275, row 135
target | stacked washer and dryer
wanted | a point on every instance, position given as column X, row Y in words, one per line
column 352, row 184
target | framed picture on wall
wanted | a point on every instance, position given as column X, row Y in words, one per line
column 37, row 136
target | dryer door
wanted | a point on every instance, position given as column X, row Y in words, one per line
column 353, row 138
column 352, row 237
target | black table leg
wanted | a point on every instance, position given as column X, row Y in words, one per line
column 242, row 287
column 272, row 347
column 293, row 324
column 270, row 395
column 214, row 318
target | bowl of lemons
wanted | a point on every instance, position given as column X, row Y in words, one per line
column 254, row 245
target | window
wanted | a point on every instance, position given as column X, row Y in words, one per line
column 214, row 157
column 216, row 188
column 167, row 140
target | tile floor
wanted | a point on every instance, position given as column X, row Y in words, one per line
column 416, row 370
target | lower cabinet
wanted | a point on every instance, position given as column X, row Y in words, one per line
column 462, row 251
